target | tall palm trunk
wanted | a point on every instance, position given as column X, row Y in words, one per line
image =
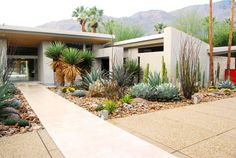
column 83, row 25
column 230, row 39
column 211, row 45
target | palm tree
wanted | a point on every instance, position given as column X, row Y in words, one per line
column 95, row 16
column 109, row 26
column 159, row 27
column 230, row 39
column 86, row 63
column 81, row 14
column 54, row 52
column 211, row 45
column 70, row 58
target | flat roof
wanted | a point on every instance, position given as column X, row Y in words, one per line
column 145, row 40
column 10, row 32
column 223, row 51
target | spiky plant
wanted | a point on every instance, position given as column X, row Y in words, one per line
column 146, row 74
column 87, row 58
column 132, row 67
column 70, row 58
column 154, row 79
column 90, row 78
column 164, row 77
column 54, row 51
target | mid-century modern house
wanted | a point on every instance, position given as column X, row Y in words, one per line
column 31, row 64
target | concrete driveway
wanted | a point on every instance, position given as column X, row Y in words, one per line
column 199, row 131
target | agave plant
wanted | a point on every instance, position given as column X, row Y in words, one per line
column 142, row 90
column 226, row 85
column 154, row 79
column 166, row 92
column 90, row 78
column 132, row 67
column 54, row 51
column 70, row 59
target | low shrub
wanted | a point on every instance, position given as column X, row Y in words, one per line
column 23, row 123
column 79, row 93
column 226, row 84
column 167, row 92
column 96, row 89
column 10, row 121
column 99, row 108
column 126, row 99
column 142, row 90
column 110, row 106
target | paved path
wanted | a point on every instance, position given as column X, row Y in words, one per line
column 80, row 134
column 206, row 130
column 29, row 145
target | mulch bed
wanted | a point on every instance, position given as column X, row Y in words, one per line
column 138, row 105
column 26, row 113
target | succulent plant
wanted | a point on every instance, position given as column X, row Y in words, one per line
column 226, row 84
column 23, row 123
column 99, row 108
column 126, row 99
column 142, row 90
column 90, row 78
column 79, row 93
column 10, row 121
column 110, row 106
column 166, row 92
column 154, row 79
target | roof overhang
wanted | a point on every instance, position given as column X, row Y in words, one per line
column 142, row 41
column 223, row 51
column 25, row 36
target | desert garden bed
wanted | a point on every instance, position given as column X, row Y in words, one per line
column 138, row 105
column 21, row 118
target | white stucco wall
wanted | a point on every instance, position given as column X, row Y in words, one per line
column 115, row 55
column 173, row 40
column 46, row 75
column 3, row 51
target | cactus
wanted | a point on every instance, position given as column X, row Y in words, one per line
column 10, row 121
column 23, row 123
column 177, row 70
column 146, row 74
column 164, row 72
column 166, row 92
column 203, row 79
column 218, row 72
column 226, row 84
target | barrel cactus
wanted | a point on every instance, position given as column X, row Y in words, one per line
column 167, row 92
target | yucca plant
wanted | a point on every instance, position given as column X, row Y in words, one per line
column 70, row 59
column 54, row 51
column 87, row 58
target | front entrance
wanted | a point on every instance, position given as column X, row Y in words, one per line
column 105, row 64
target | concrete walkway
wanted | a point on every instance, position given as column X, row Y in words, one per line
column 207, row 130
column 80, row 134
column 29, row 145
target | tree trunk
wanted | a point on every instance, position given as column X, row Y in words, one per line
column 211, row 45
column 94, row 29
column 83, row 25
column 230, row 40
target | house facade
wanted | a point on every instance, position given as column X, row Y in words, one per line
column 26, row 48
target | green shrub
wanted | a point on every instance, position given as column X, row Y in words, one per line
column 226, row 84
column 23, row 123
column 167, row 92
column 10, row 121
column 79, row 93
column 110, row 106
column 126, row 99
column 142, row 90
column 99, row 108
column 154, row 79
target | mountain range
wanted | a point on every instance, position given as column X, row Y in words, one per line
column 147, row 19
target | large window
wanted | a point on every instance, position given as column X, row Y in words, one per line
column 151, row 49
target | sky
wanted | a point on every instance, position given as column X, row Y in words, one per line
column 37, row 12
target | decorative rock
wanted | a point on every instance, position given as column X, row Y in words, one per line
column 23, row 130
column 104, row 114
column 15, row 102
column 35, row 126
column 129, row 106
column 196, row 99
